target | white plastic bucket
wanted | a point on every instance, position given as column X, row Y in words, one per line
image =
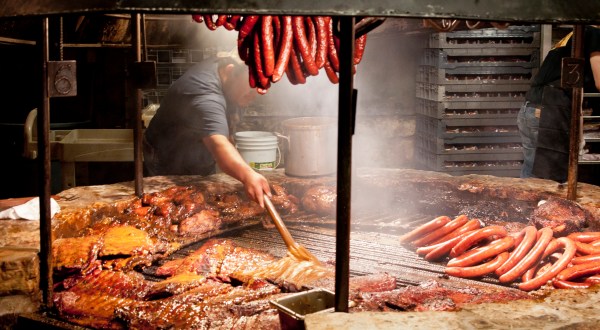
column 259, row 149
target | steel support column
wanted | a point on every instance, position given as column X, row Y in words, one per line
column 576, row 102
column 43, row 126
column 137, row 114
column 344, row 166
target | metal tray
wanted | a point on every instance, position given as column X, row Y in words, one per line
column 485, row 164
column 481, row 57
column 80, row 145
column 450, row 147
column 293, row 309
column 513, row 37
column 467, row 127
column 510, row 75
column 481, row 92
column 97, row 145
column 468, row 109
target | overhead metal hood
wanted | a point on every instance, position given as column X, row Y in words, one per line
column 539, row 11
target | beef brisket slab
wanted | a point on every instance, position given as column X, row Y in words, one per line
column 431, row 296
column 196, row 309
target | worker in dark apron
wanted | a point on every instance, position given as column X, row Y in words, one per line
column 544, row 120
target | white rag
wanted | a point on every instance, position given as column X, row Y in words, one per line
column 29, row 210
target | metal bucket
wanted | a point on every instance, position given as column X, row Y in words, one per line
column 311, row 147
column 293, row 308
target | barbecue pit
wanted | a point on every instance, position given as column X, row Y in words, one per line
column 516, row 10
column 374, row 244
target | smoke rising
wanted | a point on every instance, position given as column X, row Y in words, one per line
column 385, row 80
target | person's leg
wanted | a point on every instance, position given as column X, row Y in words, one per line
column 528, row 129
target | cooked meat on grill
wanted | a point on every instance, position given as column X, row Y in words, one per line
column 91, row 300
column 431, row 296
column 205, row 221
column 118, row 248
column 283, row 201
column 294, row 274
column 562, row 215
column 221, row 258
column 174, row 285
column 130, row 285
column 206, row 260
column 76, row 254
column 265, row 320
column 126, row 241
column 90, row 310
column 242, row 263
column 195, row 309
column 378, row 282
column 321, row 200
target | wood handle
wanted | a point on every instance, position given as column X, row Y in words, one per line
column 285, row 234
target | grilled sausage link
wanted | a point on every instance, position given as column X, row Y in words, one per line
column 577, row 271
column 477, row 255
column 331, row 48
column 442, row 231
column 267, row 50
column 586, row 248
column 262, row 80
column 531, row 258
column 285, row 48
column 557, row 267
column 528, row 235
column 248, row 24
column 321, row 28
column 425, row 228
column 470, row 225
column 476, row 236
column 479, row 270
column 585, row 259
column 560, row 284
column 444, row 248
column 359, row 48
column 303, row 46
column 585, row 237
column 210, row 24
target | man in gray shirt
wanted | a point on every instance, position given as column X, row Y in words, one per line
column 189, row 135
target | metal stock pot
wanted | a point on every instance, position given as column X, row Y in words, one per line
column 311, row 146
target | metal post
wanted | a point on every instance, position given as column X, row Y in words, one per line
column 576, row 102
column 137, row 126
column 44, row 164
column 344, row 165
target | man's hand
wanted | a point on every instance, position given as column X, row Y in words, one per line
column 231, row 162
column 256, row 186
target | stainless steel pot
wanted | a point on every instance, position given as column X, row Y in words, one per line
column 312, row 146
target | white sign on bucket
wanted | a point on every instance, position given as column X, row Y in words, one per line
column 259, row 149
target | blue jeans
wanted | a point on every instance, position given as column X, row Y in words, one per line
column 528, row 129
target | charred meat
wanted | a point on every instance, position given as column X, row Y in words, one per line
column 562, row 215
column 76, row 255
column 320, row 199
column 431, row 296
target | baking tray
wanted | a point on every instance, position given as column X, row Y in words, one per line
column 468, row 109
column 481, row 92
column 97, row 145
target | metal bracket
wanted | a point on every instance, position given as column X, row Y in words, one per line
column 572, row 72
column 62, row 78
